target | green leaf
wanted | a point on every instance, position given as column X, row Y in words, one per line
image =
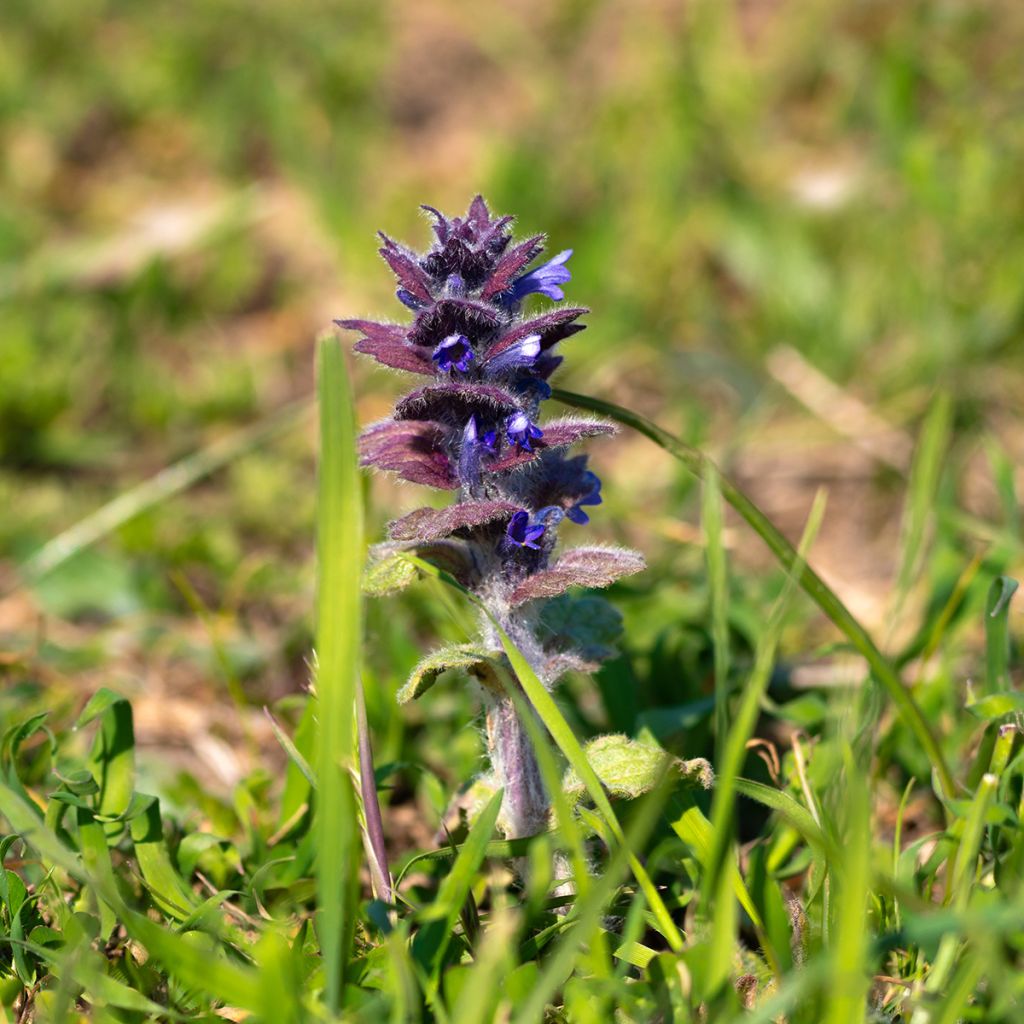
column 169, row 891
column 471, row 658
column 996, row 705
column 586, row 624
column 628, row 768
column 113, row 754
column 388, row 575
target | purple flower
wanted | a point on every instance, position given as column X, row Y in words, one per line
column 473, row 447
column 592, row 497
column 521, row 533
column 453, row 353
column 520, row 353
column 543, row 280
column 406, row 298
column 455, row 285
column 520, row 431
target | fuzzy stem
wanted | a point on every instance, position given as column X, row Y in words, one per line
column 514, row 761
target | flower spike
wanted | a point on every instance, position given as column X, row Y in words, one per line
column 474, row 429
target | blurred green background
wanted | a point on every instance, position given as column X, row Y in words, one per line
column 795, row 224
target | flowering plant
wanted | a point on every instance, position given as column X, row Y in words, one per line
column 475, row 428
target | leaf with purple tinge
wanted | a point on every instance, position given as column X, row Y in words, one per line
column 434, row 523
column 551, row 327
column 579, row 567
column 397, row 354
column 454, row 402
column 453, row 316
column 411, row 448
column 406, row 268
column 511, row 263
column 375, row 329
column 558, row 434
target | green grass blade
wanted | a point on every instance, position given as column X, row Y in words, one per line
column 718, row 584
column 590, row 909
column 169, row 892
column 217, row 977
column 340, row 559
column 439, row 918
column 791, row 811
column 815, row 587
column 925, row 473
column 561, row 732
column 997, row 634
column 716, row 891
column 690, row 823
column 848, row 987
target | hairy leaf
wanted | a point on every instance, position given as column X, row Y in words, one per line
column 397, row 354
column 586, row 626
column 435, row 523
column 406, row 268
column 558, row 434
column 454, row 402
column 471, row 658
column 414, row 450
column 629, row 769
column 388, row 575
column 552, row 327
column 453, row 316
column 579, row 567
column 511, row 264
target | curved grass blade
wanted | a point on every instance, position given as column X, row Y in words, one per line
column 812, row 584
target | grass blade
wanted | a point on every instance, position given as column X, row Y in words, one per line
column 718, row 583
column 439, row 919
column 338, row 637
column 997, row 634
column 812, row 584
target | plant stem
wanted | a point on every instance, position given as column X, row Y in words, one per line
column 526, row 805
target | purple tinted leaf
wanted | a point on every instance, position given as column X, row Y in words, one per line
column 442, row 228
column 479, row 216
column 552, row 328
column 373, row 329
column 406, row 269
column 396, row 354
column 455, row 402
column 579, row 567
column 434, row 523
column 559, row 434
column 511, row 263
column 453, row 316
column 412, row 449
